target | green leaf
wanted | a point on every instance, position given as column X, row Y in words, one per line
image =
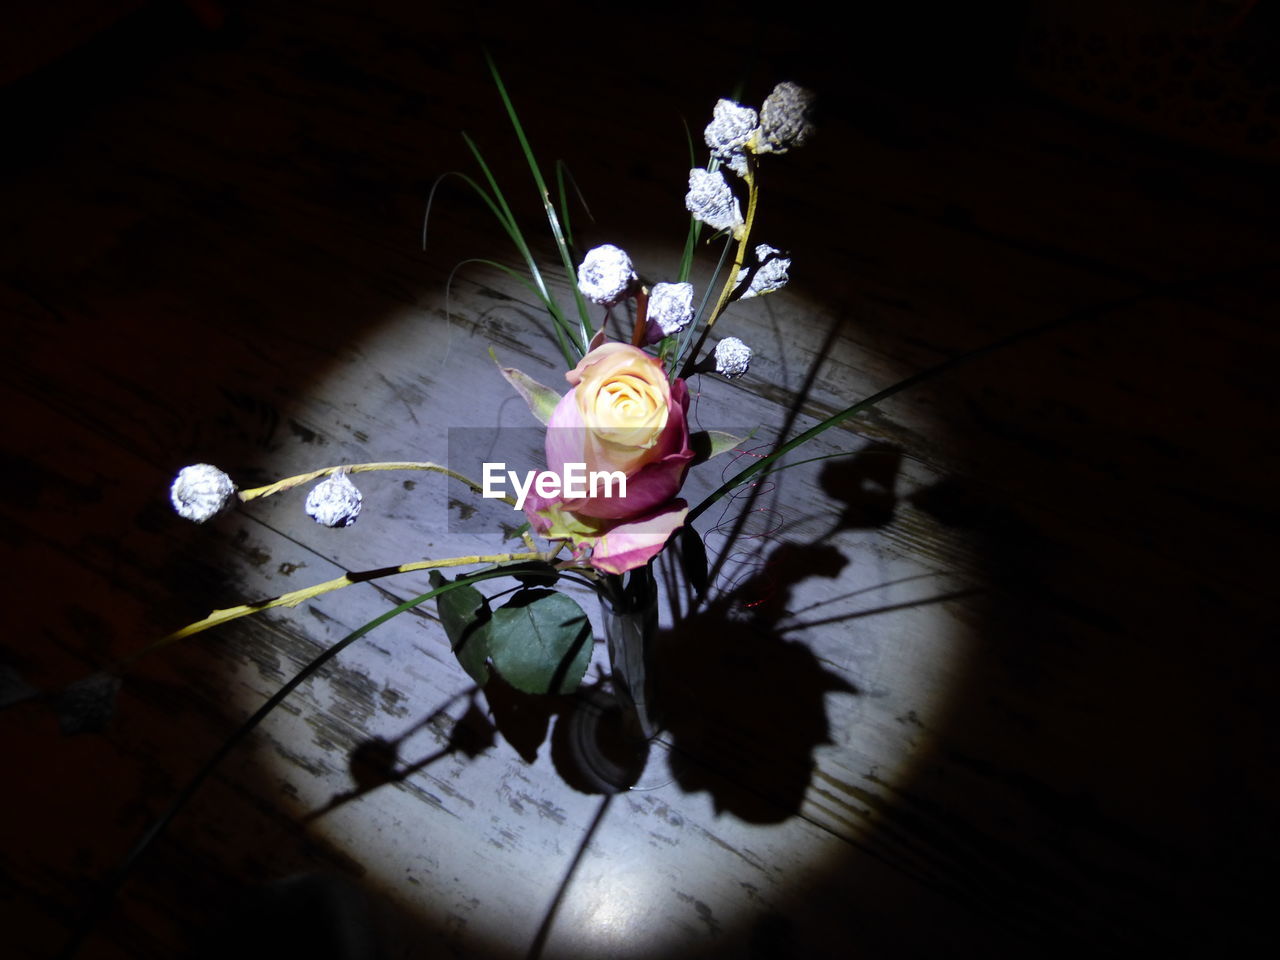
column 533, row 573
column 540, row 642
column 542, row 400
column 711, row 443
column 467, row 621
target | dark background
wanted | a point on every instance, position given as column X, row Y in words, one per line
column 976, row 173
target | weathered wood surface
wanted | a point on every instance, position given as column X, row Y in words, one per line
column 1009, row 683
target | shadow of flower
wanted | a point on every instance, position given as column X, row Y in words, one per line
column 743, row 703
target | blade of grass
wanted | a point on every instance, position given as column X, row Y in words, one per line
column 560, row 324
column 690, row 244
column 564, row 203
column 570, row 271
column 563, row 174
column 502, row 213
column 499, row 212
column 695, row 226
column 509, row 271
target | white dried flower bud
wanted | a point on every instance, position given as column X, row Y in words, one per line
column 671, row 306
column 731, row 129
column 784, row 119
column 334, row 501
column 710, row 200
column 605, row 274
column 738, row 163
column 770, row 276
column 200, row 491
column 732, row 357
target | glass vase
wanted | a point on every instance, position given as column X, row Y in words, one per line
column 603, row 742
column 630, row 614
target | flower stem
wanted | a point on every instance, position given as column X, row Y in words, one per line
column 731, row 281
column 295, row 597
column 290, row 482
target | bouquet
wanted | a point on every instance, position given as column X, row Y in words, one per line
column 606, row 505
column 618, row 444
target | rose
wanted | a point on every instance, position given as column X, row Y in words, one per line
column 614, row 546
column 622, row 416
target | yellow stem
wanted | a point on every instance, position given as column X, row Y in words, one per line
column 295, row 597
column 290, row 482
column 731, row 282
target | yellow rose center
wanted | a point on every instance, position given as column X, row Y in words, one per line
column 629, row 411
column 622, row 395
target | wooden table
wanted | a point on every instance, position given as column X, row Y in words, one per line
column 999, row 678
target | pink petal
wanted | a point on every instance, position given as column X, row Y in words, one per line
column 566, row 435
column 657, row 481
column 633, row 544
